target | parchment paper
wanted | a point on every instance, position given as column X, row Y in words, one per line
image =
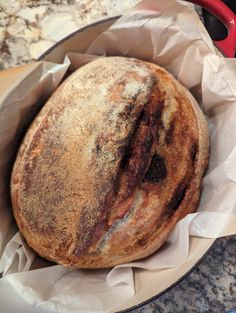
column 170, row 34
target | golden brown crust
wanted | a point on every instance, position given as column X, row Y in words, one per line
column 111, row 163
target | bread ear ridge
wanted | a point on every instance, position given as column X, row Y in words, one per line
column 191, row 199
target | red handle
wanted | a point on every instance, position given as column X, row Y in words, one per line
column 228, row 45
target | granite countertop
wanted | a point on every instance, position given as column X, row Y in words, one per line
column 27, row 29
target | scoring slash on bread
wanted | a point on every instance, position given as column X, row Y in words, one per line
column 110, row 164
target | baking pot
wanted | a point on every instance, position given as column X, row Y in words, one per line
column 146, row 282
column 150, row 284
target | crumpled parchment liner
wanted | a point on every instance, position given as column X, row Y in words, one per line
column 170, row 34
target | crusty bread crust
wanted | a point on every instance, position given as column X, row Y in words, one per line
column 113, row 160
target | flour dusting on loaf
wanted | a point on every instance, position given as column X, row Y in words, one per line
column 113, row 160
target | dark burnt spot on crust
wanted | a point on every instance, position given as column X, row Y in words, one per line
column 137, row 161
column 122, row 149
column 125, row 159
column 143, row 116
column 138, row 147
column 177, row 197
column 157, row 170
column 170, row 132
column 147, row 143
column 156, row 114
column 98, row 149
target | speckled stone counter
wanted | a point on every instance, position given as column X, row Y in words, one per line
column 210, row 288
column 27, row 29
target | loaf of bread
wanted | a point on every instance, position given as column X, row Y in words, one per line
column 110, row 164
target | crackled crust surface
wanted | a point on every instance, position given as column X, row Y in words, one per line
column 113, row 160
